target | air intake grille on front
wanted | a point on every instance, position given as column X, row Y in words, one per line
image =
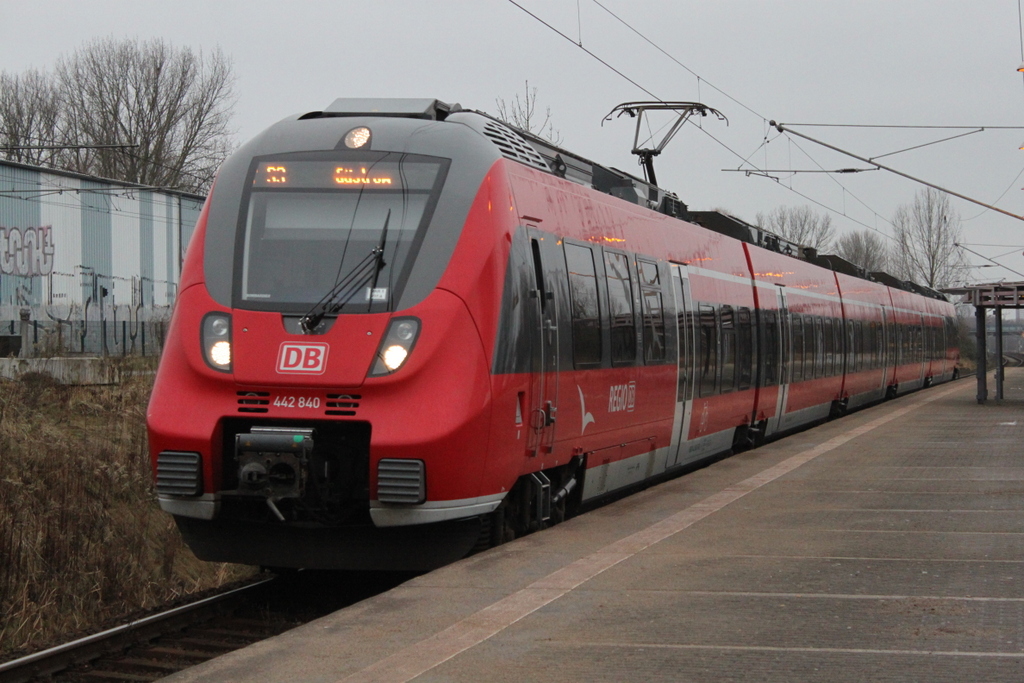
column 513, row 146
column 251, row 401
column 179, row 473
column 401, row 481
column 342, row 404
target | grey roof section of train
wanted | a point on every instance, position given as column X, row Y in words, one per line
column 421, row 108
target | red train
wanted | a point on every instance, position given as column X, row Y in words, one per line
column 406, row 331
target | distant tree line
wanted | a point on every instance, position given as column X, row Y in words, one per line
column 136, row 111
column 923, row 247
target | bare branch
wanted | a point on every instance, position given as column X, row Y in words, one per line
column 173, row 104
column 926, row 233
column 523, row 114
column 799, row 224
column 865, row 248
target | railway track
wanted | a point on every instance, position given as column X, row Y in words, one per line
column 1013, row 359
column 156, row 646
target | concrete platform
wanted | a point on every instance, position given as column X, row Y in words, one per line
column 888, row 545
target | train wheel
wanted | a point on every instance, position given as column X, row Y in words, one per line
column 742, row 439
column 839, row 407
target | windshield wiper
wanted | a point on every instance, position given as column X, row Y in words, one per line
column 363, row 273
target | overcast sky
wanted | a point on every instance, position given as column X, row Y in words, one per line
column 900, row 62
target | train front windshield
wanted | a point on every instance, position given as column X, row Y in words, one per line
column 313, row 221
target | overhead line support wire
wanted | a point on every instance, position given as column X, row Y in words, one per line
column 961, row 246
column 926, row 144
column 702, row 129
column 586, row 50
column 783, row 129
column 662, row 51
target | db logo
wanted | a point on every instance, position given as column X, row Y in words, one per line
column 304, row 359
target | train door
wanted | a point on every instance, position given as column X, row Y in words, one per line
column 685, row 356
column 785, row 357
column 547, row 264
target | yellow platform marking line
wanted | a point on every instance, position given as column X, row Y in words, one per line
column 418, row 658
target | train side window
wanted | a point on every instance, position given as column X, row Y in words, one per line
column 769, row 347
column 708, row 351
column 684, row 335
column 877, row 343
column 744, row 348
column 893, row 344
column 828, row 341
column 837, row 331
column 858, row 343
column 620, row 304
column 796, row 367
column 728, row 349
column 817, row 348
column 653, row 312
column 586, row 313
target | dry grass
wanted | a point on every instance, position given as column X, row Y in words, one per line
column 82, row 541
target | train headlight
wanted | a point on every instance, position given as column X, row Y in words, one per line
column 216, row 341
column 397, row 345
column 394, row 356
column 357, row 137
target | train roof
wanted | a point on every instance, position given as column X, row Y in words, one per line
column 548, row 157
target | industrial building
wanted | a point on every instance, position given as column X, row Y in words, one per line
column 91, row 265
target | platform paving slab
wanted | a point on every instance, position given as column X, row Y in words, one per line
column 885, row 546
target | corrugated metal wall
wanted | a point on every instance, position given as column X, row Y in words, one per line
column 86, row 250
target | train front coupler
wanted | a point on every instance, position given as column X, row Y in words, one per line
column 273, row 462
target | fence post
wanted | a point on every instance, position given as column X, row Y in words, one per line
column 26, row 350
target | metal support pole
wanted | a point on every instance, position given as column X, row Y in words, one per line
column 979, row 318
column 999, row 352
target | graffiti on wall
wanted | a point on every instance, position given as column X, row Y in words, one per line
column 27, row 252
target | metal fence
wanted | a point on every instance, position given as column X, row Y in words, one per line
column 109, row 330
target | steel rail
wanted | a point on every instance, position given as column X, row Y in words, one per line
column 55, row 659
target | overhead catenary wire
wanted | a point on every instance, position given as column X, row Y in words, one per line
column 781, row 130
column 743, row 160
column 960, row 245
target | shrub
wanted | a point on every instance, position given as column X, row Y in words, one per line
column 82, row 539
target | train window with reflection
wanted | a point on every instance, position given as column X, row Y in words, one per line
column 770, row 335
column 728, row 349
column 620, row 307
column 819, row 356
column 872, row 343
column 744, row 348
column 684, row 331
column 837, row 341
column 796, row 366
column 586, row 313
column 828, row 339
column 653, row 312
column 708, row 350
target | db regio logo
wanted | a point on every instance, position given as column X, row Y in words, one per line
column 303, row 359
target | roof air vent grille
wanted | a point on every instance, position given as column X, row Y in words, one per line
column 513, row 146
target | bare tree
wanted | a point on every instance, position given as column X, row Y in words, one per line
column 174, row 104
column 926, row 233
column 142, row 112
column 523, row 114
column 29, row 112
column 799, row 224
column 864, row 248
